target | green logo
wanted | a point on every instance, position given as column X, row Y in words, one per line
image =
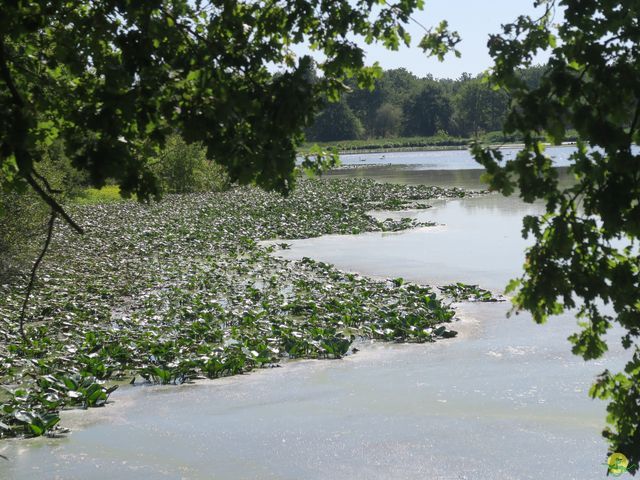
column 618, row 464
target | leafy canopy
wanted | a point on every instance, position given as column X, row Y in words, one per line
column 113, row 78
column 586, row 251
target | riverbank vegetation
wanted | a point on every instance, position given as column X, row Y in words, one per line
column 180, row 168
column 181, row 289
column 471, row 293
column 92, row 91
column 440, row 141
column 406, row 111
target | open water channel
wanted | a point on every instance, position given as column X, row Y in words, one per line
column 506, row 399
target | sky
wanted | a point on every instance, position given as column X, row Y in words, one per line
column 473, row 19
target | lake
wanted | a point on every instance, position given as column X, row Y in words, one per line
column 445, row 159
column 506, row 399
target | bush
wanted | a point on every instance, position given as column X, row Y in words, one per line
column 22, row 223
column 498, row 137
column 23, row 214
column 184, row 168
column 56, row 167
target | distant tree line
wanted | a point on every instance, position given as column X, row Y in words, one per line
column 402, row 104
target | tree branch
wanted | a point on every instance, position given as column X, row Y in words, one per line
column 5, row 73
column 34, row 271
column 182, row 27
column 634, row 123
column 8, row 79
column 44, row 181
column 55, row 206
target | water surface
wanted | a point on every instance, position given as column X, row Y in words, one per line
column 504, row 400
column 446, row 159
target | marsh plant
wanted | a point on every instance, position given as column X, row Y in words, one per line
column 181, row 289
column 460, row 292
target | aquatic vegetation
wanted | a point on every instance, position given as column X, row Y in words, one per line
column 179, row 290
column 35, row 410
column 459, row 292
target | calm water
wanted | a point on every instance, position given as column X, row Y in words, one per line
column 445, row 159
column 504, row 400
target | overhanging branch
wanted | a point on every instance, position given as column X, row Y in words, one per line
column 8, row 79
column 34, row 271
column 5, row 74
column 55, row 206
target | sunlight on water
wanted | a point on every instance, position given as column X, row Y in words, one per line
column 445, row 159
column 505, row 400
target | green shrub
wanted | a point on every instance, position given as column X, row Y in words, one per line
column 498, row 137
column 106, row 194
column 22, row 224
column 23, row 214
column 184, row 168
column 56, row 167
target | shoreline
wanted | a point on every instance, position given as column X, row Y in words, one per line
column 434, row 148
column 207, row 305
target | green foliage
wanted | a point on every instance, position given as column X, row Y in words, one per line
column 586, row 250
column 428, row 112
column 478, row 107
column 23, row 216
column 471, row 293
column 56, row 166
column 466, row 107
column 114, row 79
column 184, row 168
column 22, row 221
column 106, row 194
column 388, row 120
column 336, row 122
column 34, row 411
column 396, row 86
column 438, row 142
column 498, row 137
column 440, row 41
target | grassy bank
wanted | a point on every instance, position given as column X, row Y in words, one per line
column 179, row 290
column 437, row 142
column 397, row 143
column 107, row 194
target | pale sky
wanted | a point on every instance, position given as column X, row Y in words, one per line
column 473, row 19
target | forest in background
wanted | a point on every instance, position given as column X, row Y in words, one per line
column 403, row 105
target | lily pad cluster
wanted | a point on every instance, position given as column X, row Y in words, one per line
column 179, row 290
column 460, row 292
